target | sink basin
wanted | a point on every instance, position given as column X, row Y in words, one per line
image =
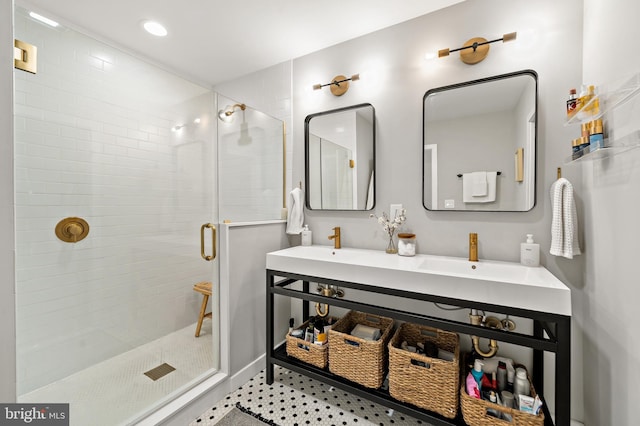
column 487, row 281
column 328, row 253
column 483, row 269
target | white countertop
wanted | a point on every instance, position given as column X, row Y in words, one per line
column 487, row 281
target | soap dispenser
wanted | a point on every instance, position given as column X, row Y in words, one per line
column 306, row 236
column 530, row 252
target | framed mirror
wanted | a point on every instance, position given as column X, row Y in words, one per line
column 479, row 144
column 340, row 159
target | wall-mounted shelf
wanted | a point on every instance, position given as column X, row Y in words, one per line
column 608, row 101
column 610, row 149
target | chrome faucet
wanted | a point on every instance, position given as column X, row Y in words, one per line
column 335, row 237
column 473, row 247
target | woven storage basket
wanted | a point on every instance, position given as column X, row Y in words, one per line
column 474, row 412
column 355, row 359
column 432, row 385
column 310, row 353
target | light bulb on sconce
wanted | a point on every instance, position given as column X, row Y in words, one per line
column 475, row 49
column 430, row 56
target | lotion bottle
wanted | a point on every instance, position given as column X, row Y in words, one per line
column 306, row 236
column 530, row 252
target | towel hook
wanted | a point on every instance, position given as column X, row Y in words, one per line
column 559, row 172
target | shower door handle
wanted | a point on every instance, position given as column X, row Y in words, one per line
column 213, row 241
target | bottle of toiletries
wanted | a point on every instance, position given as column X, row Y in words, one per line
column 575, row 149
column 306, row 236
column 502, row 376
column 572, row 103
column 308, row 336
column 584, row 143
column 596, row 135
column 477, row 373
column 584, row 101
column 521, row 384
column 530, row 252
column 472, row 386
column 319, row 335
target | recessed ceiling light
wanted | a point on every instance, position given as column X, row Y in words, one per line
column 155, row 28
column 43, row 19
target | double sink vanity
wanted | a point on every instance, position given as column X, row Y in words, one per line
column 492, row 286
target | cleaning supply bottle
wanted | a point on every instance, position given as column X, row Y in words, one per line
column 521, row 385
column 477, row 372
column 502, row 376
column 306, row 236
column 530, row 252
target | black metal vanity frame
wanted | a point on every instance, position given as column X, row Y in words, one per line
column 557, row 340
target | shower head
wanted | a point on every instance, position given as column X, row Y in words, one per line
column 226, row 114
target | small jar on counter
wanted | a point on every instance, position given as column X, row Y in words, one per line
column 407, row 244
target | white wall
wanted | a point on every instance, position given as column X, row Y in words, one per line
column 610, row 293
column 7, row 242
column 394, row 78
column 243, row 267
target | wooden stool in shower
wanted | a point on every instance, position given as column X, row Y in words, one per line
column 203, row 287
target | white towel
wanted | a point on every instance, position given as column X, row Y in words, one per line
column 472, row 184
column 564, row 224
column 478, row 184
column 295, row 213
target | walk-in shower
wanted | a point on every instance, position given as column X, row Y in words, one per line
column 132, row 151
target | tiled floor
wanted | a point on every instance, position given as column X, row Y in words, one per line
column 109, row 393
column 297, row 400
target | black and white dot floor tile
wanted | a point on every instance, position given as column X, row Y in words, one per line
column 296, row 400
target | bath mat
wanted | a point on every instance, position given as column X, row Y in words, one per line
column 241, row 416
column 159, row 372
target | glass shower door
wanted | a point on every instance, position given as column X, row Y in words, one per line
column 125, row 152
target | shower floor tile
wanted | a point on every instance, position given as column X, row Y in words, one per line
column 296, row 400
column 114, row 391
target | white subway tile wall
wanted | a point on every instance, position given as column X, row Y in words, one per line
column 94, row 139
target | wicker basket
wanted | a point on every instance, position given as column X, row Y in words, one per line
column 432, row 385
column 310, row 353
column 474, row 412
column 355, row 359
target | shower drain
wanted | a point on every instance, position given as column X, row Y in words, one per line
column 159, row 372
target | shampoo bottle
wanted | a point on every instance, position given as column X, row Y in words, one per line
column 530, row 252
column 306, row 236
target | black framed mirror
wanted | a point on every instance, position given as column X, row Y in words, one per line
column 479, row 144
column 340, row 159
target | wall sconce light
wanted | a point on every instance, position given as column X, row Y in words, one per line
column 339, row 84
column 476, row 49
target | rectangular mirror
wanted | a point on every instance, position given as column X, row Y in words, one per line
column 340, row 159
column 479, row 144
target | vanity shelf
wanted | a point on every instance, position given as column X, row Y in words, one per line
column 551, row 330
